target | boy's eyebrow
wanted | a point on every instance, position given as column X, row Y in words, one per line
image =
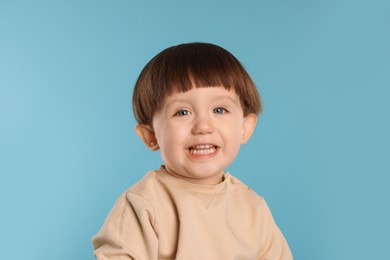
column 176, row 100
column 228, row 98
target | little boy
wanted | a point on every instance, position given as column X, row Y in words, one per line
column 197, row 104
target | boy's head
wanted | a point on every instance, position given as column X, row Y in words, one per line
column 180, row 68
column 197, row 104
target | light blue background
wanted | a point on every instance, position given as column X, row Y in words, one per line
column 320, row 155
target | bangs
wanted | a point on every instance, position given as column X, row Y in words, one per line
column 186, row 66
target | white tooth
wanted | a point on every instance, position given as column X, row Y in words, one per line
column 202, row 149
column 202, row 146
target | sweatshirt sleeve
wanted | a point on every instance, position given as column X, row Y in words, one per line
column 128, row 231
column 273, row 242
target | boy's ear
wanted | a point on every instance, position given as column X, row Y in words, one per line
column 146, row 133
column 248, row 127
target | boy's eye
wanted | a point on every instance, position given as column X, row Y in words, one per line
column 219, row 110
column 182, row 112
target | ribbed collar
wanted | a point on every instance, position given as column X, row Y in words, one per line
column 165, row 177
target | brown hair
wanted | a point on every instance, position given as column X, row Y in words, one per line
column 179, row 68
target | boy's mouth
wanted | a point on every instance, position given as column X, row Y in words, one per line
column 202, row 149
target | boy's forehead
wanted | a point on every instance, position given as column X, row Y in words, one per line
column 215, row 92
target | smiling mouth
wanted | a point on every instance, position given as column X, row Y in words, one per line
column 203, row 149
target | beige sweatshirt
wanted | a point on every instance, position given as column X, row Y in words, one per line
column 163, row 217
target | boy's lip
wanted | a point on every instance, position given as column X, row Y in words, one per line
column 202, row 146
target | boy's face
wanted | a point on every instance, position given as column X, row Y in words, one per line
column 199, row 133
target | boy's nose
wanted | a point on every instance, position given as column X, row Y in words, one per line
column 202, row 125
